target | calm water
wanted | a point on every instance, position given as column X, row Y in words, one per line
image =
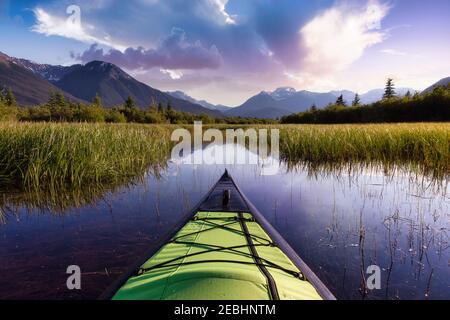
column 339, row 223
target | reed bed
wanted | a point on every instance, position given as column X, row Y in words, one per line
column 43, row 156
column 420, row 147
column 50, row 156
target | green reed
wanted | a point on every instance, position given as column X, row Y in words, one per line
column 43, row 156
column 424, row 148
column 47, row 156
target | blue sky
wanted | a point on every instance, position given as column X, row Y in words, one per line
column 227, row 50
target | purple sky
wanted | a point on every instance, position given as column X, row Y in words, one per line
column 224, row 51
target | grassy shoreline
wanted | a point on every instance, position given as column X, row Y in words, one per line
column 51, row 156
column 424, row 148
column 54, row 156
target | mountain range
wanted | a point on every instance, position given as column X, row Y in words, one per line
column 441, row 83
column 32, row 84
column 285, row 101
column 181, row 95
column 29, row 88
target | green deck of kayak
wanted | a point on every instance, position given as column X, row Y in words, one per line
column 198, row 264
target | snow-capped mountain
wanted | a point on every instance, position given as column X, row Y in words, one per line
column 286, row 100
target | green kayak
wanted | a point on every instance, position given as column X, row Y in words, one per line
column 223, row 250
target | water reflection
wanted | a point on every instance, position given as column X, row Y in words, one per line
column 339, row 221
column 230, row 155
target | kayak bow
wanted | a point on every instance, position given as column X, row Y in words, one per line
column 223, row 250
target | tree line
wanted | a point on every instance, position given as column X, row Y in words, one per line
column 412, row 107
column 59, row 109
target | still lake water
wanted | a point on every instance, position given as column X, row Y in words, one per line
column 338, row 222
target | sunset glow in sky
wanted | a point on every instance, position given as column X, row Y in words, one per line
column 225, row 51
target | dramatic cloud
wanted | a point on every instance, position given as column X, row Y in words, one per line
column 68, row 27
column 173, row 74
column 175, row 52
column 260, row 43
column 339, row 36
column 277, row 22
column 219, row 7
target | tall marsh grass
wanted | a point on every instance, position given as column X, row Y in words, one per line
column 49, row 156
column 424, row 148
column 43, row 156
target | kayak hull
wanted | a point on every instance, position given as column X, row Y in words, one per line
column 223, row 250
column 215, row 263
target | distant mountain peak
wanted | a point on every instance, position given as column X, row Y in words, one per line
column 33, row 82
column 264, row 94
column 283, row 93
column 285, row 89
column 49, row 72
column 182, row 95
column 106, row 70
column 24, row 78
column 101, row 65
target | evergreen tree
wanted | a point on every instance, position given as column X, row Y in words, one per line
column 160, row 108
column 129, row 103
column 60, row 99
column 408, row 95
column 389, row 91
column 357, row 101
column 340, row 101
column 56, row 100
column 152, row 106
column 10, row 98
column 169, row 107
column 51, row 102
column 313, row 108
column 97, row 101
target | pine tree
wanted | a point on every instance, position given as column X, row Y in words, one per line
column 408, row 95
column 152, row 106
column 313, row 108
column 60, row 99
column 389, row 91
column 357, row 101
column 160, row 108
column 129, row 103
column 340, row 101
column 10, row 98
column 51, row 102
column 56, row 100
column 97, row 101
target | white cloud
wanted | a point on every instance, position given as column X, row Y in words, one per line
column 69, row 27
column 308, row 81
column 214, row 10
column 394, row 52
column 339, row 36
column 174, row 74
column 220, row 4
